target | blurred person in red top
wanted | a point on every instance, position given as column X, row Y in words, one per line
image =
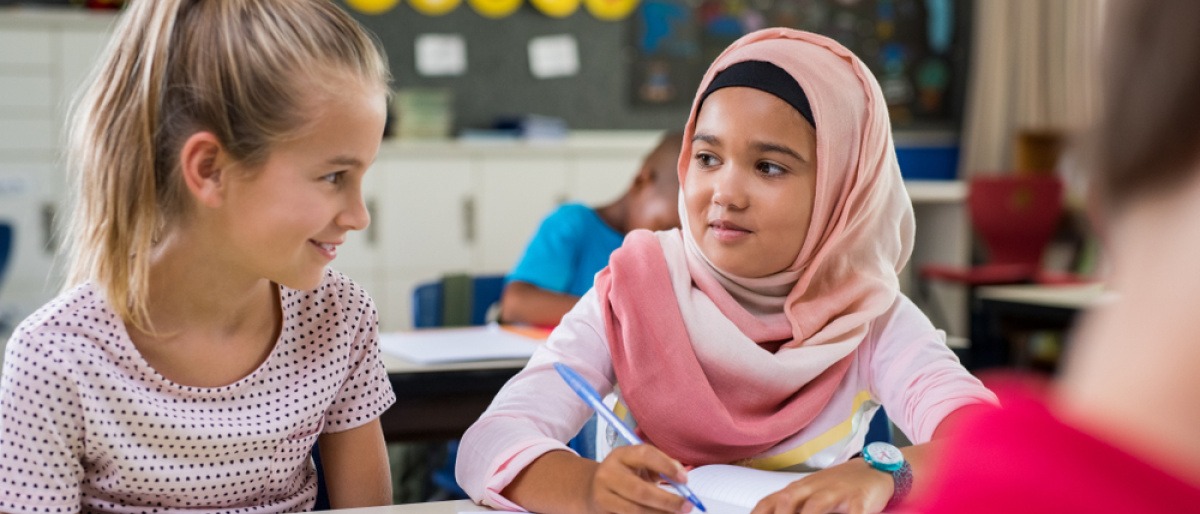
column 1116, row 432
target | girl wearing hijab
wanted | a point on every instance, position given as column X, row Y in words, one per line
column 765, row 332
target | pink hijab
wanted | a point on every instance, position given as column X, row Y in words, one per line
column 718, row 368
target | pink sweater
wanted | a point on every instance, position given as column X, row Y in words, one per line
column 86, row 424
column 904, row 365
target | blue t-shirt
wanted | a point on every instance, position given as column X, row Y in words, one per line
column 569, row 248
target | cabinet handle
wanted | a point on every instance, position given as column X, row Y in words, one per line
column 468, row 214
column 372, row 228
column 49, row 237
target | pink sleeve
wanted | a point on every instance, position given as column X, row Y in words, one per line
column 916, row 376
column 535, row 412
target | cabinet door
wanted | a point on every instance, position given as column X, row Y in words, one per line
column 597, row 180
column 32, row 275
column 27, row 79
column 79, row 52
column 515, row 193
column 424, row 212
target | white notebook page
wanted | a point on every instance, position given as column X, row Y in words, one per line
column 435, row 346
column 726, row 489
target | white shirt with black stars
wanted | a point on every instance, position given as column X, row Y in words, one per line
column 86, row 424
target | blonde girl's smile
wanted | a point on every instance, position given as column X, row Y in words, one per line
column 328, row 250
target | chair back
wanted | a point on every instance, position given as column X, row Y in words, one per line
column 6, row 245
column 1015, row 216
column 427, row 305
column 5, row 249
column 455, row 300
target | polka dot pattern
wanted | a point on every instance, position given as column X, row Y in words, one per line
column 86, row 424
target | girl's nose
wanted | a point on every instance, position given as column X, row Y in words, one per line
column 356, row 216
column 729, row 188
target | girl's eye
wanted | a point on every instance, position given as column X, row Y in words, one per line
column 706, row 159
column 334, row 178
column 771, row 169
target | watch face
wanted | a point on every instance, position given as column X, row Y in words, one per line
column 884, row 454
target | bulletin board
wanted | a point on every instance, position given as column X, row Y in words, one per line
column 641, row 72
column 917, row 49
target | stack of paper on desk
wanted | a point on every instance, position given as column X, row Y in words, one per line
column 728, row 489
column 445, row 345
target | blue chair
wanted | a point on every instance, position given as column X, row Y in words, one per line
column 6, row 246
column 6, row 240
column 322, row 492
column 456, row 300
column 880, row 429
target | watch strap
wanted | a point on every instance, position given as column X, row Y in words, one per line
column 903, row 479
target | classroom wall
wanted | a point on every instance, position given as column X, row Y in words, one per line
column 498, row 81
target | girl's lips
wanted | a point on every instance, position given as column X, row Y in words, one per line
column 726, row 225
column 727, row 232
column 328, row 250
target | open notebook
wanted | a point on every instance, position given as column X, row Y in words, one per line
column 726, row 489
column 446, row 345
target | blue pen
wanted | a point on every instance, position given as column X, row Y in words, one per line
column 592, row 398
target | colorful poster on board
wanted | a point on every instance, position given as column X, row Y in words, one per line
column 915, row 48
column 556, row 8
column 434, row 7
column 610, row 10
column 495, row 8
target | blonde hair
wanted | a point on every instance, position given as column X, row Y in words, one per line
column 243, row 70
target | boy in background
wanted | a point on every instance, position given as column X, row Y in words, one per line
column 573, row 243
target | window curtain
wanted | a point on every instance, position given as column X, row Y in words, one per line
column 1032, row 69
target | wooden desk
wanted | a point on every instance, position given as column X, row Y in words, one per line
column 1008, row 311
column 437, row 402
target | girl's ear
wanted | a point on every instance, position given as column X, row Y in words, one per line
column 202, row 161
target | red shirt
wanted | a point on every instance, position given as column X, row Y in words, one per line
column 1023, row 459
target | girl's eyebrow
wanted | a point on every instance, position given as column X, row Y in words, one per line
column 345, row 160
column 772, row 147
column 712, row 140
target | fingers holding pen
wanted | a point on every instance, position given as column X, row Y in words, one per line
column 627, row 481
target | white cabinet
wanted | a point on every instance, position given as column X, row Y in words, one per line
column 515, row 193
column 471, row 207
column 423, row 227
column 598, row 178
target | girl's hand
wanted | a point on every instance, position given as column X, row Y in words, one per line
column 852, row 487
column 627, row 482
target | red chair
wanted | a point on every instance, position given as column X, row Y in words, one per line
column 1014, row 217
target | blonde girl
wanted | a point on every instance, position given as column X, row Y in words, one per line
column 765, row 332
column 202, row 346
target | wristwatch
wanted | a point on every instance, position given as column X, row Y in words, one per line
column 888, row 459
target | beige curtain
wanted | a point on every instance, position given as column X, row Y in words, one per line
column 1032, row 69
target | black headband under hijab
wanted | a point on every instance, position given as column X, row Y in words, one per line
column 766, row 77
